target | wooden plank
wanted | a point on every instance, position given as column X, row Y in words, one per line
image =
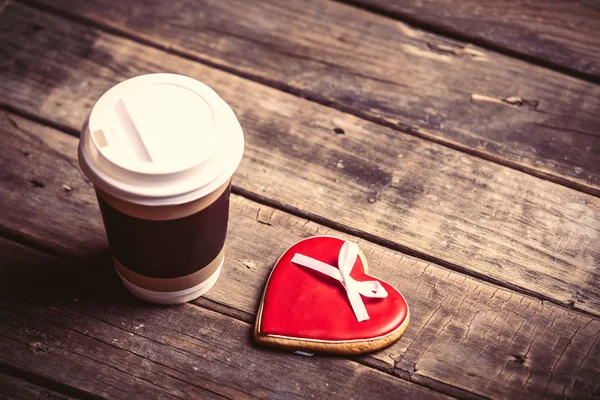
column 13, row 388
column 408, row 193
column 564, row 35
column 83, row 329
column 464, row 96
column 466, row 337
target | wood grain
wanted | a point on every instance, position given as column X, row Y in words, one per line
column 83, row 329
column 13, row 388
column 562, row 34
column 464, row 96
column 402, row 191
column 467, row 338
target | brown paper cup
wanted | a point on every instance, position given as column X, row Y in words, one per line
column 167, row 254
column 161, row 150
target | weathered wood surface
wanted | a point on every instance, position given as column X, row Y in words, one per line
column 465, row 336
column 464, row 96
column 13, row 388
column 561, row 34
column 80, row 327
column 405, row 192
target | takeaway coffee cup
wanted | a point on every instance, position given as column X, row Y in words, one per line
column 160, row 150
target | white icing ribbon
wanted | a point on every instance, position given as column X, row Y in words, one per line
column 354, row 289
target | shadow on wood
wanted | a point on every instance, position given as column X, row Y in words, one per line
column 33, row 276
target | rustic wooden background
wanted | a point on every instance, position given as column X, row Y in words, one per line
column 457, row 142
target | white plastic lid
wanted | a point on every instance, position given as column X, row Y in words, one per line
column 160, row 139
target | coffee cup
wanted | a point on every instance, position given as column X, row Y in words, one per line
column 160, row 150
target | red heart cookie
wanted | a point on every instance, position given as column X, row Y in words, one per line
column 307, row 309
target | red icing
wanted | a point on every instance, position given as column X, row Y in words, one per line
column 307, row 304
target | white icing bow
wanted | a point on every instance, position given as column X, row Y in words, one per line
column 354, row 288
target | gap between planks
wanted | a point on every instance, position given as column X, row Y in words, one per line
column 400, row 127
column 399, row 248
column 46, row 383
column 456, row 35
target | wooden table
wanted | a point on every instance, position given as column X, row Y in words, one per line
column 457, row 142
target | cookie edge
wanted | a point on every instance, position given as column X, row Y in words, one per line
column 346, row 348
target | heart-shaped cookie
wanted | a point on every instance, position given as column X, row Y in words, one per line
column 312, row 303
